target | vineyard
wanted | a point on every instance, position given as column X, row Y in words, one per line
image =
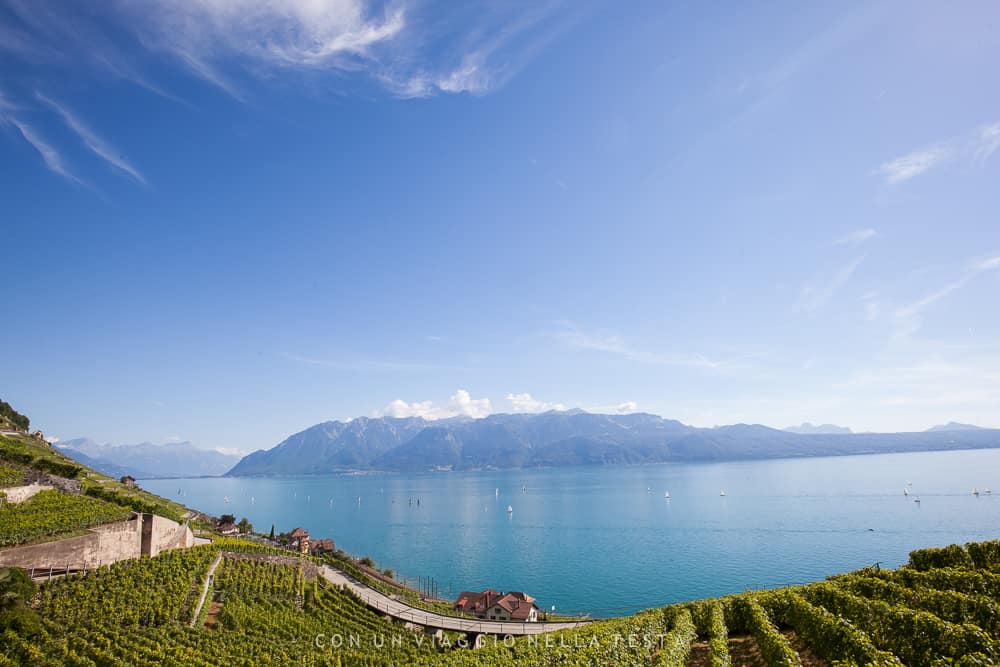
column 50, row 513
column 268, row 608
column 10, row 476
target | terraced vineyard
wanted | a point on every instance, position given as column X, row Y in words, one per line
column 138, row 613
column 267, row 608
column 50, row 513
column 940, row 609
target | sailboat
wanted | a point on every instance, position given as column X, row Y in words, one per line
column 666, row 495
column 498, row 492
column 975, row 491
column 226, row 499
column 510, row 509
column 722, row 492
column 986, row 490
column 524, row 488
column 906, row 492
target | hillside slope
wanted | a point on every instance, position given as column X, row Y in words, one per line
column 566, row 438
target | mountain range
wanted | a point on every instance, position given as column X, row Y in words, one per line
column 563, row 438
column 805, row 428
column 148, row 460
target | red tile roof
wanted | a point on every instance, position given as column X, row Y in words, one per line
column 518, row 605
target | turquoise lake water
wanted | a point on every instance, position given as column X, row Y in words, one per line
column 594, row 540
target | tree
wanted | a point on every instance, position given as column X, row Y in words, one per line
column 272, row 531
column 19, row 421
column 245, row 526
column 16, row 590
column 227, row 518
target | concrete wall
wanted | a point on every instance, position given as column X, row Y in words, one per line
column 167, row 535
column 102, row 545
column 18, row 494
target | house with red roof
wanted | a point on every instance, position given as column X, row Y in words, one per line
column 491, row 605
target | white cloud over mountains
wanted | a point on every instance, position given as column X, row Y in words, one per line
column 527, row 403
column 461, row 404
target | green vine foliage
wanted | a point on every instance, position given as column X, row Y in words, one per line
column 277, row 611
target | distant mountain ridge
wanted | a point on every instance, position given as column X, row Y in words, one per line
column 147, row 460
column 955, row 426
column 563, row 438
column 805, row 428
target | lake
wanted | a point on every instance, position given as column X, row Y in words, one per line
column 594, row 540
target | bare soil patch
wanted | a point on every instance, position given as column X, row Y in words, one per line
column 806, row 654
column 744, row 652
column 212, row 619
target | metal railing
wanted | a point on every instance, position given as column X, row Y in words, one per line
column 400, row 610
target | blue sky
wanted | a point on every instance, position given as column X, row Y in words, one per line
column 224, row 220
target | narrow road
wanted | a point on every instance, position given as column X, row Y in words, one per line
column 204, row 589
column 387, row 605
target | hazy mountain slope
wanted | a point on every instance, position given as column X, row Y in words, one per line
column 105, row 467
column 806, row 428
column 955, row 426
column 566, row 438
column 332, row 446
column 147, row 460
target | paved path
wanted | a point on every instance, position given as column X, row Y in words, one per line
column 387, row 605
column 205, row 587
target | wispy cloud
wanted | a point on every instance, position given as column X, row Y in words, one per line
column 913, row 164
column 856, row 237
column 91, row 140
column 929, row 382
column 613, row 344
column 413, row 49
column 471, row 76
column 461, row 403
column 817, row 293
column 361, row 364
column 975, row 268
column 987, row 141
column 977, row 146
column 53, row 159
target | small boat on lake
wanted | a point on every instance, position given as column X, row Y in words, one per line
column 510, row 509
column 666, row 494
column 722, row 492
